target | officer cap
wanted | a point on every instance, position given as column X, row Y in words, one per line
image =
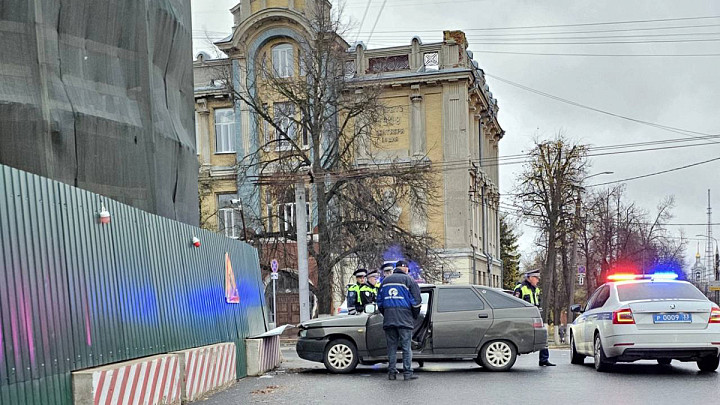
column 373, row 273
column 387, row 267
column 532, row 273
column 360, row 273
column 401, row 263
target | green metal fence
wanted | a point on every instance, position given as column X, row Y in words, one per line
column 75, row 293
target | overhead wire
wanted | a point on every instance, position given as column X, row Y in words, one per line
column 568, row 25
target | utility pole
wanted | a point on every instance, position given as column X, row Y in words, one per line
column 573, row 262
column 302, row 252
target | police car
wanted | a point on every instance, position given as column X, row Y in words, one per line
column 656, row 317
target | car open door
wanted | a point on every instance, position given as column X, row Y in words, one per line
column 460, row 321
column 375, row 335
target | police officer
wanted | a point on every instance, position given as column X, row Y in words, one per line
column 370, row 289
column 355, row 303
column 387, row 269
column 530, row 292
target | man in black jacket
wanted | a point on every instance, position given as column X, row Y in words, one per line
column 399, row 301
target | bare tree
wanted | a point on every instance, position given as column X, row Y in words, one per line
column 548, row 186
column 617, row 233
column 316, row 122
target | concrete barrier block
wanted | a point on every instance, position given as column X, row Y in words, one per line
column 206, row 369
column 263, row 354
column 149, row 380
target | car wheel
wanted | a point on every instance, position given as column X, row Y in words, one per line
column 601, row 362
column 340, row 356
column 498, row 355
column 664, row 362
column 421, row 364
column 575, row 357
column 708, row 363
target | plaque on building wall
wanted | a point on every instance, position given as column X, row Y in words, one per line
column 392, row 131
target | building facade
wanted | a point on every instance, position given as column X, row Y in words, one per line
column 440, row 109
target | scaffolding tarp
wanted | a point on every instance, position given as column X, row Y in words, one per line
column 99, row 94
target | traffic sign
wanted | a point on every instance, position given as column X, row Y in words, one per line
column 581, row 269
column 714, row 286
column 274, row 276
column 274, row 265
column 451, row 274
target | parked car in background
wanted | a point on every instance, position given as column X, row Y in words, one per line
column 655, row 318
column 455, row 322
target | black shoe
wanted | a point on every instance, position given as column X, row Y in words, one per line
column 411, row 377
column 546, row 363
column 392, row 376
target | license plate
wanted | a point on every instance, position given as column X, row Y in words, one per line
column 672, row 318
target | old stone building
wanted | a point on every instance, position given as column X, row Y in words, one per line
column 440, row 109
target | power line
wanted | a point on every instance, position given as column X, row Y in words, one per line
column 570, row 25
column 363, row 19
column 620, row 55
column 376, row 20
column 514, row 34
column 576, row 104
column 656, row 173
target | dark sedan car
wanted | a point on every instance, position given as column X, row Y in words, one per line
column 456, row 322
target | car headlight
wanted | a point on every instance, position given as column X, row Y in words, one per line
column 302, row 333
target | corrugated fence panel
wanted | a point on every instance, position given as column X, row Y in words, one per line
column 76, row 294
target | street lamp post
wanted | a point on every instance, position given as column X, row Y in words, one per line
column 573, row 259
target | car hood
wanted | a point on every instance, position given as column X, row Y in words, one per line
column 336, row 321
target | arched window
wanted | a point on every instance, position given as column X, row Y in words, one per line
column 283, row 60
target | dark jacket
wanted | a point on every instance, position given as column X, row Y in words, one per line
column 399, row 301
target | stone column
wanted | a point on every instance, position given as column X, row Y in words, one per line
column 203, row 114
column 417, row 124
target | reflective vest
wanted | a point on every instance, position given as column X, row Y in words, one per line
column 355, row 288
column 527, row 294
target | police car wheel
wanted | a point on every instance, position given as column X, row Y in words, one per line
column 575, row 357
column 498, row 355
column 601, row 361
column 708, row 364
column 664, row 362
column 340, row 356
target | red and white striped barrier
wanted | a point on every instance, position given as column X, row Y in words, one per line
column 206, row 369
column 151, row 380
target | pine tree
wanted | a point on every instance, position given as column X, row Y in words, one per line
column 509, row 254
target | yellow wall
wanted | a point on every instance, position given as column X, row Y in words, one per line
column 433, row 130
column 277, row 3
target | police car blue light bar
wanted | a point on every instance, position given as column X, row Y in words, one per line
column 664, row 276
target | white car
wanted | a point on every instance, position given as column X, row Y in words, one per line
column 634, row 318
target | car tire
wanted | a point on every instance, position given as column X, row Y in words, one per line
column 664, row 362
column 340, row 356
column 601, row 362
column 421, row 364
column 575, row 357
column 708, row 364
column 498, row 355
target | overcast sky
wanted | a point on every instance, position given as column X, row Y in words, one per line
column 675, row 91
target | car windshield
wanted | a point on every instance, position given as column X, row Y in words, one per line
column 658, row 290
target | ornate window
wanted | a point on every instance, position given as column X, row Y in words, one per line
column 224, row 130
column 389, row 64
column 431, row 61
column 283, row 60
column 284, row 114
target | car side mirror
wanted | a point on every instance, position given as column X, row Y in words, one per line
column 370, row 308
column 576, row 308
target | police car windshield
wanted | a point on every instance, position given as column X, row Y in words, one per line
column 658, row 290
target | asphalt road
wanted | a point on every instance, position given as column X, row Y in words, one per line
column 301, row 382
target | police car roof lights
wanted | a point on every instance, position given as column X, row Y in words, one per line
column 624, row 277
